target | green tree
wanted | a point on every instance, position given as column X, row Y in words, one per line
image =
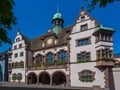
column 101, row 3
column 7, row 18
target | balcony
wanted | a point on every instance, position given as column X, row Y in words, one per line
column 53, row 65
column 104, row 63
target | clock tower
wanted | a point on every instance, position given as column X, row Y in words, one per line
column 57, row 22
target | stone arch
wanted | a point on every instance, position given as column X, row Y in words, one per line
column 59, row 78
column 44, row 78
column 32, row 78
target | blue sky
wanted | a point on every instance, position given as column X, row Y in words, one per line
column 34, row 17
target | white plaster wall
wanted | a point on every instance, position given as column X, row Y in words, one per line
column 116, row 75
column 18, row 36
column 89, row 48
column 99, row 76
column 77, row 27
column 18, row 59
column 117, row 58
column 18, row 70
column 104, row 43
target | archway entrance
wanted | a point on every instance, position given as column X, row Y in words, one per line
column 59, row 78
column 31, row 78
column 44, row 78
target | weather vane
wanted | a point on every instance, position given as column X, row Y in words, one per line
column 82, row 5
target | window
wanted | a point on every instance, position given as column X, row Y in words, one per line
column 62, row 56
column 50, row 57
column 19, row 76
column 83, row 56
column 16, row 65
column 105, row 54
column 38, row 58
column 17, row 39
column 21, row 54
column 83, row 18
column 15, row 47
column 82, row 42
column 12, row 65
column 84, row 27
column 16, row 55
column 14, row 76
column 103, row 37
column 20, row 45
column 86, row 76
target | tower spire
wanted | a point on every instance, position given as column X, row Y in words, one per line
column 18, row 31
column 82, row 6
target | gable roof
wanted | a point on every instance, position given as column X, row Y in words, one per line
column 36, row 43
column 103, row 29
column 27, row 40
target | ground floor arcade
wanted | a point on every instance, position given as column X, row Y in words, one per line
column 45, row 78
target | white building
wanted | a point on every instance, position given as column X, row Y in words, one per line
column 80, row 55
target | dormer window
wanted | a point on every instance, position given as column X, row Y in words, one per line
column 84, row 27
column 83, row 18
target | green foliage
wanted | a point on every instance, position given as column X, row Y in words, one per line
column 14, row 77
column 80, row 61
column 51, row 63
column 61, row 62
column 106, row 58
column 86, row 79
column 7, row 18
column 102, row 3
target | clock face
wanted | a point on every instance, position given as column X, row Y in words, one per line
column 49, row 41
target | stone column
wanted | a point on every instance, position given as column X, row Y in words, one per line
column 51, row 80
column 67, row 81
column 38, row 79
column 106, row 73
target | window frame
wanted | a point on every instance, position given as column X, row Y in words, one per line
column 21, row 54
column 84, row 27
column 50, row 57
column 15, row 55
column 86, row 78
column 62, row 56
column 79, row 42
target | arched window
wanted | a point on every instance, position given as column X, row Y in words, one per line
column 13, row 65
column 62, row 56
column 16, row 65
column 86, row 76
column 14, row 76
column 19, row 76
column 50, row 57
column 21, row 64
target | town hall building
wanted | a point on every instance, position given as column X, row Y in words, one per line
column 80, row 55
